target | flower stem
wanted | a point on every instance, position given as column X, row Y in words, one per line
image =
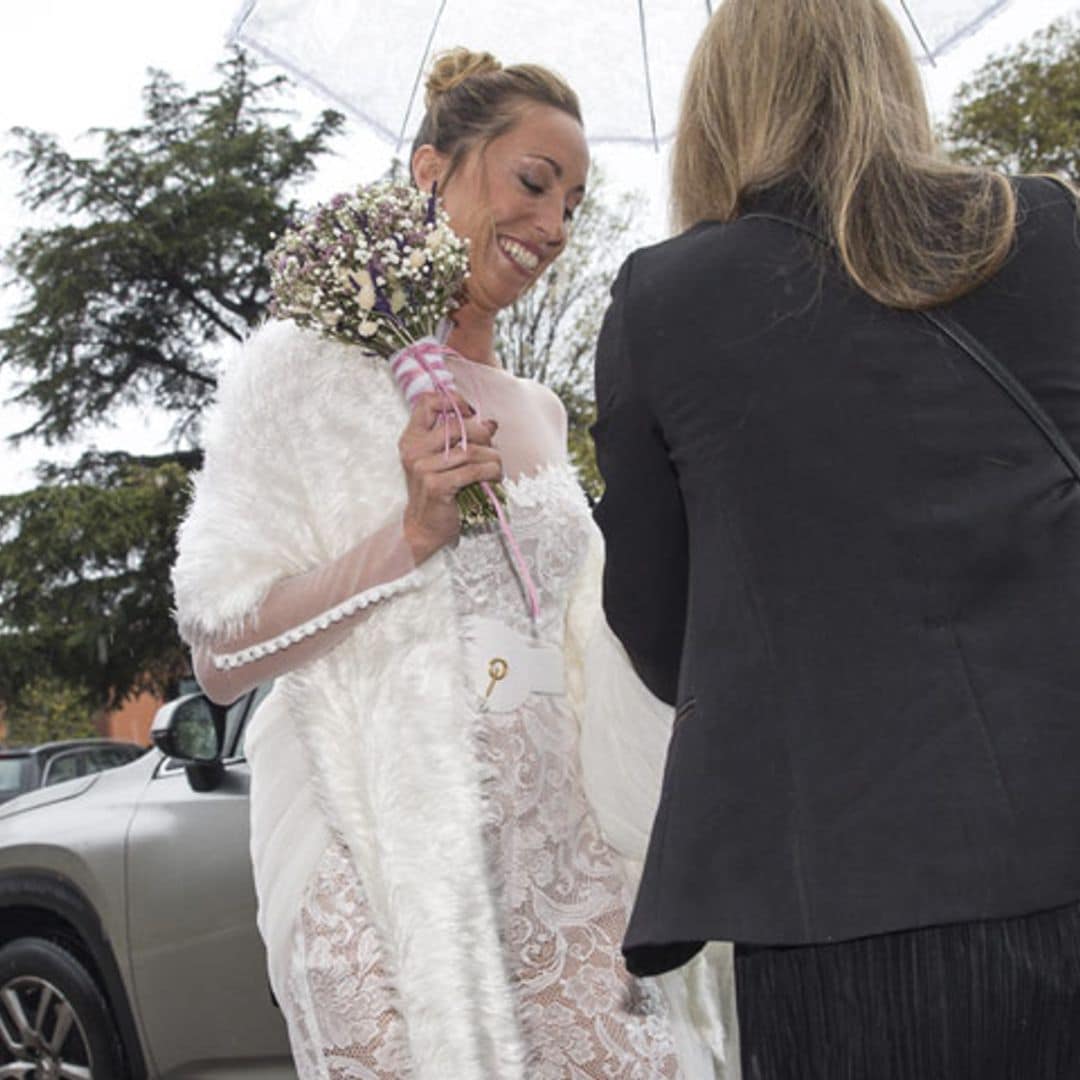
column 476, row 511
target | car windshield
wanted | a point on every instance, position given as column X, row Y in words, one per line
column 14, row 774
column 109, row 757
column 65, row 767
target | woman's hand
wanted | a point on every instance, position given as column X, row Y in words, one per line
column 431, row 517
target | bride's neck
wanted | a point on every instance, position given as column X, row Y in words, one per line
column 473, row 335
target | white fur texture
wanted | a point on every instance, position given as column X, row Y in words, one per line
column 301, row 463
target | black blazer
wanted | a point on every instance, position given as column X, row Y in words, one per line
column 853, row 564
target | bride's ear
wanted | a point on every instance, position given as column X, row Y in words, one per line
column 428, row 166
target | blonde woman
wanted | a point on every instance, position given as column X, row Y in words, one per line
column 837, row 423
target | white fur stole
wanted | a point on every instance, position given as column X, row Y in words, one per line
column 302, row 463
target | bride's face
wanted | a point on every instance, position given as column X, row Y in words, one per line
column 514, row 200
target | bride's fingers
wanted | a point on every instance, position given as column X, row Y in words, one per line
column 460, row 459
column 477, row 431
column 473, row 473
column 417, row 444
column 429, row 407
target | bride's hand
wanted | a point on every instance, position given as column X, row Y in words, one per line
column 431, row 517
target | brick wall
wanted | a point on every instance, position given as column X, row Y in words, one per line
column 131, row 722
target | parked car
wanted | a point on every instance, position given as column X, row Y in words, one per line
column 128, row 945
column 28, row 767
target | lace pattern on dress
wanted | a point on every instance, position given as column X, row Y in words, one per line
column 561, row 895
column 562, row 899
column 340, row 1000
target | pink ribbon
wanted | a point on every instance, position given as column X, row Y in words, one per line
column 421, row 368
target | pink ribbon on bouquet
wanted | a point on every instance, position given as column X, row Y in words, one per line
column 421, row 368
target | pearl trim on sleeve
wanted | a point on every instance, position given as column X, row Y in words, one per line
column 347, row 608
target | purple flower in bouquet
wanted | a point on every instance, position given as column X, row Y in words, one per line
column 381, row 268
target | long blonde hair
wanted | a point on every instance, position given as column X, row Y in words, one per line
column 825, row 93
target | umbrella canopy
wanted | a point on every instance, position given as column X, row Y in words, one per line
column 625, row 58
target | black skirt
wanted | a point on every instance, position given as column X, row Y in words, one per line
column 993, row 1000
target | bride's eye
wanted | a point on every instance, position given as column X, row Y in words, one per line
column 531, row 185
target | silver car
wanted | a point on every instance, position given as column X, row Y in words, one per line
column 128, row 946
column 23, row 768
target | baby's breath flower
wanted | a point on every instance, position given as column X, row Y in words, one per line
column 349, row 269
column 378, row 267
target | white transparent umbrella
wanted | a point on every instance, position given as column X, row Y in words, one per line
column 625, row 58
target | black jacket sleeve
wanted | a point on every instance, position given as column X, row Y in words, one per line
column 641, row 513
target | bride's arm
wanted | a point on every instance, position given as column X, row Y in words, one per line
column 303, row 617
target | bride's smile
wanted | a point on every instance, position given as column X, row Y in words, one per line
column 514, row 198
column 523, row 257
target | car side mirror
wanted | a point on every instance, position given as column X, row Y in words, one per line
column 192, row 729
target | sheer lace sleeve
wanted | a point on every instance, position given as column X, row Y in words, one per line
column 302, row 618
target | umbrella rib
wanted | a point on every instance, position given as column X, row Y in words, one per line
column 971, row 27
column 648, row 77
column 918, row 33
column 419, row 75
column 242, row 17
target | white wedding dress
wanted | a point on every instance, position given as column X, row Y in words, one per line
column 560, row 891
column 561, row 896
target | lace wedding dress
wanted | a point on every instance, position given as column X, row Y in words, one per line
column 560, row 893
column 562, row 899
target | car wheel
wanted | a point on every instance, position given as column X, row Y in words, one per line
column 54, row 1021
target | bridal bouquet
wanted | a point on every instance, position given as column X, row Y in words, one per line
column 380, row 267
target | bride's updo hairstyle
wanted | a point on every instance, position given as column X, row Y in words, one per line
column 825, row 95
column 471, row 99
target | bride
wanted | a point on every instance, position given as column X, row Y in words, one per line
column 438, row 895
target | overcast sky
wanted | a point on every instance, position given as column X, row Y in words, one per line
column 68, row 65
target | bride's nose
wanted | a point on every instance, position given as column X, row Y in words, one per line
column 551, row 224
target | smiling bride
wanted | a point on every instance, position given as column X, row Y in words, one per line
column 437, row 894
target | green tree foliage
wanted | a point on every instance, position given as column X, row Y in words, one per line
column 550, row 333
column 84, row 571
column 151, row 259
column 1021, row 110
column 49, row 708
column 159, row 254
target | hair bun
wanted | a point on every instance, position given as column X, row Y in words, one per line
column 455, row 66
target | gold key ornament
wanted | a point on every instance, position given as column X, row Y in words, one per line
column 498, row 669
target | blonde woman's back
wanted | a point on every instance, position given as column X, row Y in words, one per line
column 857, row 575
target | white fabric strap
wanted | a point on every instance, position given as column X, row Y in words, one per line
column 503, row 667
